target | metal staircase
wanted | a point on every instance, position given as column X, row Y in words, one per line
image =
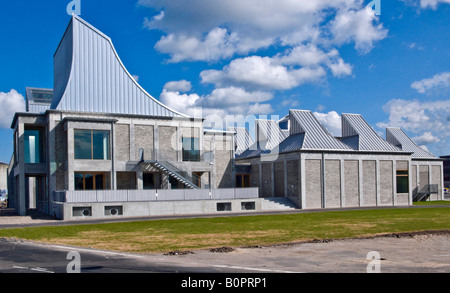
column 425, row 192
column 175, row 172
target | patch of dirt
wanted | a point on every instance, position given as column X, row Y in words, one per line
column 224, row 249
column 179, row 252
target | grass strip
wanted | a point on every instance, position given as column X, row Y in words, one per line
column 201, row 233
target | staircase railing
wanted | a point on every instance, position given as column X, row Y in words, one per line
column 426, row 191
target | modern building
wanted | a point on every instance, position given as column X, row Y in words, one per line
column 296, row 157
column 98, row 145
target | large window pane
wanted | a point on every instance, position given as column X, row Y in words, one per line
column 99, row 181
column 82, row 141
column 191, row 149
column 100, row 145
column 88, row 181
column 79, row 184
column 32, row 146
column 91, row 144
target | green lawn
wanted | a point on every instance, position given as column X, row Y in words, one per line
column 433, row 202
column 199, row 233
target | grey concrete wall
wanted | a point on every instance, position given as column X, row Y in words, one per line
column 144, row 139
column 254, row 176
column 266, row 180
column 313, row 184
column 293, row 183
column 122, row 147
column 279, row 179
column 126, row 180
column 436, row 178
column 167, row 142
column 386, row 183
column 332, row 183
column 369, row 192
column 414, row 184
column 136, row 209
column 351, row 183
column 60, row 154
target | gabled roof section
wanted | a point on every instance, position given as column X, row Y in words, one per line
column 243, row 139
column 268, row 137
column 398, row 137
column 90, row 77
column 316, row 136
column 354, row 125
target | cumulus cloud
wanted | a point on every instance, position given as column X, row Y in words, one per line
column 178, row 86
column 438, row 81
column 357, row 26
column 217, row 104
column 425, row 138
column 432, row 3
column 217, row 29
column 331, row 121
column 257, row 72
column 427, row 120
column 10, row 103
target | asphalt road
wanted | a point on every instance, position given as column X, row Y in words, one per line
column 18, row 256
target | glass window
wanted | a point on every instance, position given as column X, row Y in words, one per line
column 91, row 144
column 402, row 181
column 89, row 181
column 79, row 181
column 32, row 142
column 191, row 149
column 82, row 140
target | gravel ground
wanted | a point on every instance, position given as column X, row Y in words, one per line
column 425, row 252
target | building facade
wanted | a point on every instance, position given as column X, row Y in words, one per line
column 98, row 130
column 98, row 145
column 298, row 158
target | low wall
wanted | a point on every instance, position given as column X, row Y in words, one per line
column 104, row 210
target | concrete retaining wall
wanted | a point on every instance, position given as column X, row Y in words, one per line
column 65, row 211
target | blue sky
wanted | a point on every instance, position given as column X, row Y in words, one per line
column 247, row 58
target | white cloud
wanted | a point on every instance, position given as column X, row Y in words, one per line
column 10, row 103
column 425, row 138
column 438, row 81
column 184, row 103
column 331, row 121
column 257, row 72
column 357, row 26
column 220, row 102
column 432, row 3
column 427, row 120
column 178, row 86
column 219, row 29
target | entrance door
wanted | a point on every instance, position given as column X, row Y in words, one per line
column 242, row 180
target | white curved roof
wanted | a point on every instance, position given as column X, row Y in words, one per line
column 90, row 77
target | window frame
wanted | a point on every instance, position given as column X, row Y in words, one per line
column 92, row 144
column 397, row 175
column 94, row 174
column 194, row 141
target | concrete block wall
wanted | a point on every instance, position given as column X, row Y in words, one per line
column 333, row 180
